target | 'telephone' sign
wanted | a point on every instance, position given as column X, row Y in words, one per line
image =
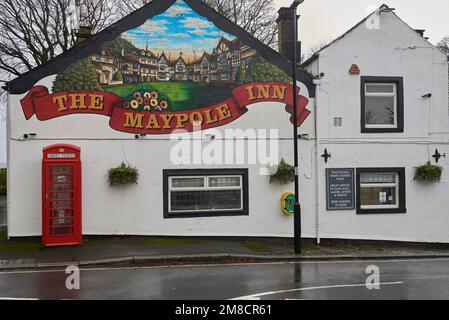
column 61, row 156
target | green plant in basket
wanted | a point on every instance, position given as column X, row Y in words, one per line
column 123, row 175
column 285, row 173
column 428, row 173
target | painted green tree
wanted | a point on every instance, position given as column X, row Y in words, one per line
column 77, row 77
column 117, row 76
column 260, row 70
column 240, row 78
column 118, row 46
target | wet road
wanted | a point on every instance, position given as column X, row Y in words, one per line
column 418, row 279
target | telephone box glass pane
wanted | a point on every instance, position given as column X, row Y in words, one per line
column 62, row 169
column 61, row 178
column 61, row 195
column 60, row 187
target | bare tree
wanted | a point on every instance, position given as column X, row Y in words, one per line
column 98, row 14
column 257, row 17
column 314, row 49
column 444, row 45
column 125, row 7
column 34, row 31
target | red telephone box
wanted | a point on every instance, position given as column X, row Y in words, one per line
column 61, row 195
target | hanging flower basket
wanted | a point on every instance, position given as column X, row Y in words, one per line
column 285, row 173
column 428, row 173
column 123, row 175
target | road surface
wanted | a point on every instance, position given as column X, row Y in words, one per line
column 412, row 279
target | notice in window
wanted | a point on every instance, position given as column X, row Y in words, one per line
column 340, row 189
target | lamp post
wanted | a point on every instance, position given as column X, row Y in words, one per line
column 297, row 206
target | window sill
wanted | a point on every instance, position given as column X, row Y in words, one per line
column 382, row 130
column 381, row 211
column 210, row 214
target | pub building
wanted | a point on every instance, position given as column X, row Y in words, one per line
column 373, row 108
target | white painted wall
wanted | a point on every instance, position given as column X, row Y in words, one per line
column 138, row 210
column 393, row 50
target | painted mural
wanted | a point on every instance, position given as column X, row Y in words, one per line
column 175, row 70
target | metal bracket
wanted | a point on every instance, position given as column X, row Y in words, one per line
column 326, row 155
column 437, row 156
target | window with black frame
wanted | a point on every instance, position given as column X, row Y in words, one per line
column 382, row 104
column 381, row 190
column 202, row 193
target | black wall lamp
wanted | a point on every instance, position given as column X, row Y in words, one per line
column 29, row 135
column 437, row 156
column 326, row 155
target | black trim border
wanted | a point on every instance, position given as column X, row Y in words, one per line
column 400, row 103
column 402, row 191
column 206, row 172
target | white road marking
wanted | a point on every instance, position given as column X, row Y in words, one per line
column 258, row 296
column 84, row 269
column 19, row 299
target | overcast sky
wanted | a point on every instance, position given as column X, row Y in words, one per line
column 324, row 20
column 327, row 19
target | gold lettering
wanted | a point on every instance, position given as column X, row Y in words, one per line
column 78, row 101
column 279, row 92
column 60, row 100
column 263, row 92
column 250, row 93
column 209, row 118
column 224, row 112
column 134, row 120
column 153, row 123
column 96, row 102
column 181, row 119
column 198, row 116
column 167, row 119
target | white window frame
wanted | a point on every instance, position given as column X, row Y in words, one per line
column 382, row 185
column 205, row 188
column 383, row 95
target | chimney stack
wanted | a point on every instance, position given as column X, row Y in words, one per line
column 285, row 34
column 83, row 34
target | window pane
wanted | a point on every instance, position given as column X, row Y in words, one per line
column 206, row 200
column 224, row 182
column 378, row 178
column 187, row 183
column 372, row 196
column 379, row 110
column 380, row 88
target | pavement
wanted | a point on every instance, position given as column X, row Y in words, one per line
column 28, row 253
column 307, row 280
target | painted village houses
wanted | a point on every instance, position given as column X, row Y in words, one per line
column 372, row 105
column 222, row 65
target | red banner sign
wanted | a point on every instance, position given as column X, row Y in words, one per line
column 49, row 106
